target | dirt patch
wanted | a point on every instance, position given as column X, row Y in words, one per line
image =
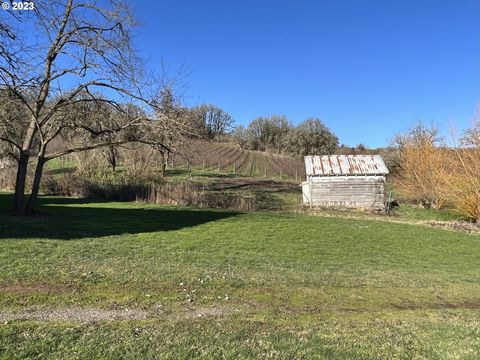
column 322, row 309
column 74, row 314
column 455, row 225
column 85, row 315
column 217, row 311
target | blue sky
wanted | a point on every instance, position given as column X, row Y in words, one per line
column 367, row 68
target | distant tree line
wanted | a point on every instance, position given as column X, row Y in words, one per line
column 273, row 133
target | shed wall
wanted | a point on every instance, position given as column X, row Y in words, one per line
column 349, row 191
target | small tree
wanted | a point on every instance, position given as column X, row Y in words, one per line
column 170, row 111
column 360, row 149
column 471, row 136
column 240, row 136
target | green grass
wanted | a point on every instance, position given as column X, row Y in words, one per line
column 60, row 166
column 282, row 285
column 416, row 213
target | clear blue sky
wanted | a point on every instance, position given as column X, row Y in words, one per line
column 367, row 68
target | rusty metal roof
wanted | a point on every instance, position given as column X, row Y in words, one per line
column 324, row 165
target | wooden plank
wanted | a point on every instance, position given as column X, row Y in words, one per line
column 309, row 165
column 327, row 169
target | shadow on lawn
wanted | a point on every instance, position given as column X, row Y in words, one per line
column 55, row 221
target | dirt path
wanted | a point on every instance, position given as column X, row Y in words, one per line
column 73, row 314
column 84, row 314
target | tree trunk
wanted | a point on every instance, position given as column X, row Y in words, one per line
column 36, row 184
column 163, row 169
column 113, row 162
column 113, row 157
column 23, row 167
column 166, row 159
column 163, row 165
column 20, row 182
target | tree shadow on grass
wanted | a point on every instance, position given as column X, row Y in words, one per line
column 59, row 221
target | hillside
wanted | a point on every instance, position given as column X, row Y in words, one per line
column 232, row 158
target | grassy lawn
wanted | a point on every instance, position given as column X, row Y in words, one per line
column 122, row 280
column 415, row 213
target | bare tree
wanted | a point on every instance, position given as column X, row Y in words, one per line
column 471, row 136
column 419, row 134
column 81, row 53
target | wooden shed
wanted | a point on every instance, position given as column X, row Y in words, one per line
column 345, row 181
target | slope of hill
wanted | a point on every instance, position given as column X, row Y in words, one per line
column 232, row 158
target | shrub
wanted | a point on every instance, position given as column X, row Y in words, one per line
column 462, row 183
column 7, row 177
column 126, row 187
column 435, row 176
column 197, row 195
column 421, row 177
column 67, row 184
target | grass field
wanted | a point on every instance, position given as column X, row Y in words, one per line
column 85, row 280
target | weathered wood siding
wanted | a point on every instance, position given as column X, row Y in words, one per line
column 349, row 191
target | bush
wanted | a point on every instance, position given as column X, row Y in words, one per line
column 421, row 162
column 195, row 194
column 125, row 187
column 62, row 185
column 437, row 176
column 462, row 183
column 421, row 177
